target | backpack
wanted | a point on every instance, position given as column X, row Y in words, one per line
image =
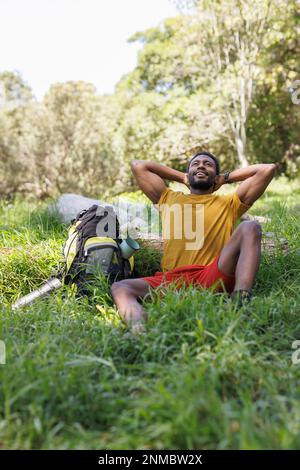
column 93, row 245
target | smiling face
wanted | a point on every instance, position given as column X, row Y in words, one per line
column 202, row 172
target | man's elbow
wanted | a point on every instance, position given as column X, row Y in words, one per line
column 269, row 169
column 137, row 164
column 272, row 168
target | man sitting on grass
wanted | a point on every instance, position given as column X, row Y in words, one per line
column 222, row 257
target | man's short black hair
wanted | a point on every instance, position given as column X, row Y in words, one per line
column 208, row 154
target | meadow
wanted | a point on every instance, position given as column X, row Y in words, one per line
column 205, row 375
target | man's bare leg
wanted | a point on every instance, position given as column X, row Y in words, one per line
column 126, row 294
column 241, row 255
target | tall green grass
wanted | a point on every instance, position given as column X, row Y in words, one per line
column 204, row 376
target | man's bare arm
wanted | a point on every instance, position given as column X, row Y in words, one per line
column 150, row 177
column 255, row 179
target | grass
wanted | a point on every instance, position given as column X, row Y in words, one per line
column 205, row 376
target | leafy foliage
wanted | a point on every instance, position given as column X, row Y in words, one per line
column 204, row 79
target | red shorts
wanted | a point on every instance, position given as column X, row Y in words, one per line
column 196, row 274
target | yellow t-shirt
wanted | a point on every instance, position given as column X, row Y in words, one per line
column 196, row 227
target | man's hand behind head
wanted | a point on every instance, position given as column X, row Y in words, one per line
column 219, row 181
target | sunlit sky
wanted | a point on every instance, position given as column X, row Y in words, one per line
column 50, row 41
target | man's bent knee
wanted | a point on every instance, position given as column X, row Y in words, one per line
column 119, row 285
column 251, row 228
column 135, row 287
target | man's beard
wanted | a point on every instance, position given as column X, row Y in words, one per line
column 201, row 184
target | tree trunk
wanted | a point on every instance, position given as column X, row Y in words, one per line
column 241, row 150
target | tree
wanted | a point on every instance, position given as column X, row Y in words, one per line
column 69, row 142
column 81, row 129
column 15, row 165
column 235, row 44
column 14, row 91
column 217, row 55
column 168, row 86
